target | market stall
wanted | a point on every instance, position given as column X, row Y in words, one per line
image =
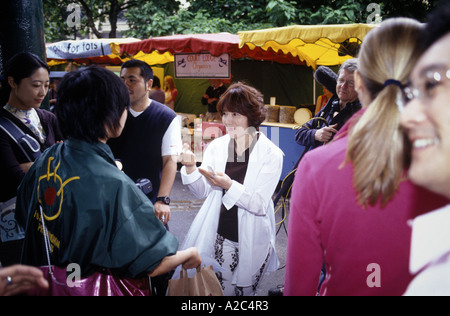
column 243, row 68
column 315, row 45
column 279, row 62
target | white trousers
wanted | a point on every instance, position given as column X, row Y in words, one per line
column 227, row 255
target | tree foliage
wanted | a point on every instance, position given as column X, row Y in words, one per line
column 56, row 15
column 167, row 17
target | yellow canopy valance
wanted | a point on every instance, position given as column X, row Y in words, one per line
column 316, row 45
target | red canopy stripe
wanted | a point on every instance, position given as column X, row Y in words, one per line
column 215, row 44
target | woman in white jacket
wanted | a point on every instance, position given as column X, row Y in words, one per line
column 235, row 228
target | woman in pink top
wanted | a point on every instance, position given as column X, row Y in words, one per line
column 351, row 202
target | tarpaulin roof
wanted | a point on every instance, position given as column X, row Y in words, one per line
column 316, row 45
column 151, row 58
column 311, row 45
column 87, row 51
column 215, row 44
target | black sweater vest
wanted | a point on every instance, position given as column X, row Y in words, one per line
column 139, row 146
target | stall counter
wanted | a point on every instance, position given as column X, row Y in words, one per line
column 283, row 135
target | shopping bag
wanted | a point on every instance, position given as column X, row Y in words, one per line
column 10, row 230
column 204, row 283
column 100, row 283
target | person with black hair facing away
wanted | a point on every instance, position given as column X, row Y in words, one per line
column 157, row 94
column 150, row 143
column 94, row 213
column 25, row 85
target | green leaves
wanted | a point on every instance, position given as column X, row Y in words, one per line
column 166, row 17
column 281, row 12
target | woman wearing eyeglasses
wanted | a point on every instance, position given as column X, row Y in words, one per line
column 426, row 119
column 351, row 201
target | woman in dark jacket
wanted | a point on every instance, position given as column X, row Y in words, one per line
column 23, row 89
column 25, row 86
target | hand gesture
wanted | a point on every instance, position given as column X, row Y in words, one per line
column 325, row 134
column 217, row 179
column 187, row 157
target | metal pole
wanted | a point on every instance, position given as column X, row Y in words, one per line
column 314, row 90
column 21, row 30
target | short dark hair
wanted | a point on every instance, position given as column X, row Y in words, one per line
column 91, row 101
column 438, row 25
column 243, row 99
column 156, row 82
column 20, row 66
column 146, row 70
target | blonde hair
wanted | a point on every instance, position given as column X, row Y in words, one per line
column 170, row 83
column 377, row 147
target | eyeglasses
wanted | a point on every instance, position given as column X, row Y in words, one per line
column 350, row 83
column 426, row 87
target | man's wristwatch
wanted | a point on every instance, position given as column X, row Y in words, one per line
column 164, row 199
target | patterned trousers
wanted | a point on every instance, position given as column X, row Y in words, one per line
column 227, row 255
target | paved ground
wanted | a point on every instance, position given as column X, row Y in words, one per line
column 184, row 208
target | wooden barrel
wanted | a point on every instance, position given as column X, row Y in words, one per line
column 272, row 113
column 287, row 114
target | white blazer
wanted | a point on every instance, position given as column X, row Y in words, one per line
column 255, row 207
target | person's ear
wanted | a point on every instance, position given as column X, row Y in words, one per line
column 12, row 83
column 360, row 88
column 149, row 85
column 359, row 84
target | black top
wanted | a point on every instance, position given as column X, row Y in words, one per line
column 12, row 156
column 236, row 169
column 305, row 135
column 213, row 93
column 139, row 145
